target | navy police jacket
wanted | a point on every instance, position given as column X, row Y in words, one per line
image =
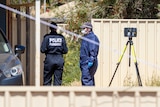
column 89, row 50
column 54, row 43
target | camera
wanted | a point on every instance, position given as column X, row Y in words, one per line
column 130, row 32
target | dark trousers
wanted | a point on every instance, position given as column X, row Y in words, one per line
column 87, row 77
column 53, row 66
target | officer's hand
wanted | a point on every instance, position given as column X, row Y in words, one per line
column 90, row 64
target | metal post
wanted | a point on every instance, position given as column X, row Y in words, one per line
column 37, row 44
column 27, row 48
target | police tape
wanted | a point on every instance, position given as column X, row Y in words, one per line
column 46, row 23
column 70, row 33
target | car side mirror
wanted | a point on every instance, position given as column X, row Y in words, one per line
column 19, row 49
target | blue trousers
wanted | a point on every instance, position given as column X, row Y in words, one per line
column 53, row 66
column 87, row 77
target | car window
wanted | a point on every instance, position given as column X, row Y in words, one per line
column 3, row 45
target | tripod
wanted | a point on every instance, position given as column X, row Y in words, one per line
column 131, row 48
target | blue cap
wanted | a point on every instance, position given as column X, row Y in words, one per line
column 86, row 25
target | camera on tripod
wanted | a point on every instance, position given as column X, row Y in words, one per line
column 130, row 32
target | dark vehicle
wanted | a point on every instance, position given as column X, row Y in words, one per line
column 11, row 72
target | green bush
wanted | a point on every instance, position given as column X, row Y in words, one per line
column 71, row 68
column 72, row 73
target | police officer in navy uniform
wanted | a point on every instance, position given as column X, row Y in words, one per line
column 54, row 46
column 88, row 55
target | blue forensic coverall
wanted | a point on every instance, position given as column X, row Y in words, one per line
column 88, row 53
column 54, row 46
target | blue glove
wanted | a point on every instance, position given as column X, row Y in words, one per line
column 90, row 64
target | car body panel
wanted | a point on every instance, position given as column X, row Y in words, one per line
column 10, row 63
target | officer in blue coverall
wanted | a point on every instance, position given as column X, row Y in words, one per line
column 54, row 46
column 88, row 55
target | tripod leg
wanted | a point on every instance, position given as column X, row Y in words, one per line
column 114, row 74
column 119, row 61
column 129, row 54
column 136, row 64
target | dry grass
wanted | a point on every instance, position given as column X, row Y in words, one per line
column 153, row 81
column 76, row 83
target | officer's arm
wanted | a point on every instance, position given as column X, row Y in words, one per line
column 44, row 45
column 65, row 48
column 92, row 51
